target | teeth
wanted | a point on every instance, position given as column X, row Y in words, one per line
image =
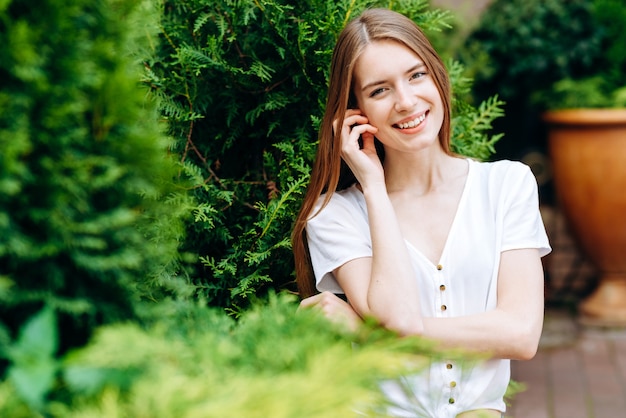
column 412, row 123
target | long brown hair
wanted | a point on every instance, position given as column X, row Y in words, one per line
column 329, row 172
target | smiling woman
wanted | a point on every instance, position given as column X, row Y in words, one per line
column 424, row 241
column 400, row 98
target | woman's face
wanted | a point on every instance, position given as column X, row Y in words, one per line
column 399, row 97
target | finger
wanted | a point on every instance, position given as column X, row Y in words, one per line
column 352, row 141
column 368, row 141
column 348, row 122
column 359, row 119
column 310, row 301
column 349, row 115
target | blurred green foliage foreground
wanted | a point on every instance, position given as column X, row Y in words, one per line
column 152, row 157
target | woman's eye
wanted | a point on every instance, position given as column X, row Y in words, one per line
column 376, row 92
column 418, row 74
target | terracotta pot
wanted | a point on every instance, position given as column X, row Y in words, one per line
column 588, row 152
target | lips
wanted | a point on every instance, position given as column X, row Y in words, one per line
column 411, row 123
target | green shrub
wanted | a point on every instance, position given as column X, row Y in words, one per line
column 242, row 86
column 520, row 47
column 604, row 84
column 90, row 218
column 84, row 169
column 198, row 362
column 610, row 16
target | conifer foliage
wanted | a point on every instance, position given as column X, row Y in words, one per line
column 243, row 85
column 93, row 211
column 83, row 166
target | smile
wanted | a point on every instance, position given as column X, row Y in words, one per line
column 412, row 123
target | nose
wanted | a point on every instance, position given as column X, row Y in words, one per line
column 405, row 98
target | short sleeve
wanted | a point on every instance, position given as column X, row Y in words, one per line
column 523, row 226
column 337, row 234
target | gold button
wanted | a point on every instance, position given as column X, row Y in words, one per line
column 442, row 287
column 453, row 384
column 448, row 366
column 444, row 307
column 439, row 267
column 451, row 400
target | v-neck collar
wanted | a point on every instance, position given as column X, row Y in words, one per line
column 453, row 226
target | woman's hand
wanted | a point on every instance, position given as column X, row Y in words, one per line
column 361, row 158
column 333, row 308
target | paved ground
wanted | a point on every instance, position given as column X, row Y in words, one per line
column 578, row 373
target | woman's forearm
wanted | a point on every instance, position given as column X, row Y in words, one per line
column 496, row 333
column 511, row 330
column 393, row 294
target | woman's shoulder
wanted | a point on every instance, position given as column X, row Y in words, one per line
column 501, row 171
column 342, row 201
column 503, row 178
column 501, row 167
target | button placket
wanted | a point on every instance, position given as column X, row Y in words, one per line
column 450, row 392
column 442, row 296
column 450, row 373
column 453, row 393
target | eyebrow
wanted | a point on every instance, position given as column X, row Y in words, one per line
column 378, row 83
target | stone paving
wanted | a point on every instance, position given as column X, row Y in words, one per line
column 577, row 373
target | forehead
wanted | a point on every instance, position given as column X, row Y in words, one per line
column 382, row 59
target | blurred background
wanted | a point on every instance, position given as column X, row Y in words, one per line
column 153, row 155
column 529, row 53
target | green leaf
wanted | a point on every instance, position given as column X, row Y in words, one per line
column 34, row 365
column 33, row 380
column 38, row 336
column 90, row 380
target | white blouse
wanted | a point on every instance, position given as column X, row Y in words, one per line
column 498, row 211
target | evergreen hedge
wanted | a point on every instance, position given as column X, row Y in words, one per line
column 94, row 211
column 242, row 85
column 196, row 362
column 84, row 169
column 518, row 49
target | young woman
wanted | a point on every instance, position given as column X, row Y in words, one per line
column 427, row 242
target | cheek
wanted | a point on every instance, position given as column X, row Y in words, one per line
column 375, row 111
column 434, row 93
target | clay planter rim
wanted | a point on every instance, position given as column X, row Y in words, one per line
column 591, row 116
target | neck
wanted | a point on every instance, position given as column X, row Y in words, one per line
column 421, row 173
